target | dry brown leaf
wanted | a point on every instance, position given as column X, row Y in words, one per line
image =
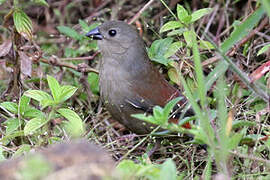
column 5, row 47
column 26, row 64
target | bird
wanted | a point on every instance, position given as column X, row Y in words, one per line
column 129, row 83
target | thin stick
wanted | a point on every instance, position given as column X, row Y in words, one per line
column 140, row 12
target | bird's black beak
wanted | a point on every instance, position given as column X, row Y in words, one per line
column 95, row 34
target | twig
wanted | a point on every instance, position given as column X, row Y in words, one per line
column 137, row 15
column 68, row 65
column 250, row 157
column 80, row 58
column 239, row 44
column 249, row 36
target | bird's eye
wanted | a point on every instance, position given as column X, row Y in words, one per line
column 112, row 32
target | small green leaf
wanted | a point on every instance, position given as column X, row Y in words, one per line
column 87, row 28
column 23, row 24
column 158, row 50
column 243, row 123
column 200, row 13
column 33, row 125
column 173, row 75
column 66, row 92
column 235, row 139
column 22, row 149
column 12, row 125
column 10, row 106
column 188, row 38
column 171, row 25
column 242, row 30
column 158, row 115
column 54, row 87
column 128, row 168
column 144, row 117
column 182, row 14
column 69, row 32
column 41, row 2
column 170, row 105
column 38, row 95
column 23, row 104
column 75, row 125
column 208, row 168
column 174, row 47
column 206, row 45
column 32, row 113
column 2, row 157
column 93, row 80
column 264, row 49
column 168, row 170
column 177, row 32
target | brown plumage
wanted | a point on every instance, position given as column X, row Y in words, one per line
column 129, row 83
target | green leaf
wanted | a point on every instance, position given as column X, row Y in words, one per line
column 75, row 125
column 206, row 45
column 93, row 80
column 174, row 47
column 127, row 168
column 243, row 123
column 144, row 117
column 87, row 28
column 23, row 104
column 170, row 26
column 158, row 50
column 41, row 2
column 38, row 95
column 242, row 30
column 48, row 102
column 69, row 32
column 158, row 115
column 235, row 139
column 200, row 13
column 2, row 157
column 168, row 170
column 22, row 149
column 182, row 14
column 188, row 38
column 12, row 125
column 66, row 92
column 32, row 113
column 208, row 169
column 33, row 125
column 54, row 87
column 264, row 49
column 170, row 105
column 10, row 106
column 23, row 24
column 173, row 75
column 177, row 32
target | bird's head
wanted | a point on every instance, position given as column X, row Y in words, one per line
column 115, row 37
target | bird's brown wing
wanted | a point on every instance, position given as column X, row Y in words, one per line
column 153, row 90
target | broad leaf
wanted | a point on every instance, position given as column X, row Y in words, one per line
column 200, row 13
column 75, row 125
column 170, row 26
column 54, row 87
column 66, row 92
column 69, row 32
column 10, row 106
column 23, row 24
column 33, row 125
